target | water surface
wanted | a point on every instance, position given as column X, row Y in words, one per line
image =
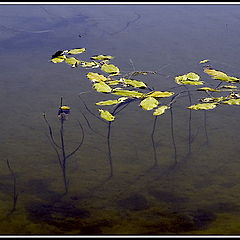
column 198, row 195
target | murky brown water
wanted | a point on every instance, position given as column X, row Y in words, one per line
column 198, row 195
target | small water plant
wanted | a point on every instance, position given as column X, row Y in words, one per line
column 60, row 149
column 129, row 89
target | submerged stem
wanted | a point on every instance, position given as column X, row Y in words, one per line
column 14, row 193
column 109, row 148
column 173, row 137
column 205, row 126
column 153, row 142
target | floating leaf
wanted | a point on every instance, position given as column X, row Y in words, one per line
column 65, row 108
column 220, row 75
column 76, row 51
column 58, row 59
column 207, row 89
column 213, row 99
column 102, row 57
column 192, row 82
column 193, row 76
column 110, row 68
column 72, row 61
column 101, row 87
column 204, row 61
column 108, row 102
column 113, row 82
column 189, row 79
column 160, row 110
column 106, row 115
column 203, row 106
column 89, row 64
column 95, row 77
column 134, row 83
column 127, row 93
column 228, row 87
column 159, row 94
column 232, row 102
column 149, row 103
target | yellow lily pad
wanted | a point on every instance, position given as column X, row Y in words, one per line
column 159, row 94
column 203, row 106
column 72, row 61
column 204, row 61
column 193, row 76
column 160, row 110
column 102, row 57
column 110, row 68
column 208, row 89
column 228, row 87
column 149, row 103
column 65, row 108
column 134, row 83
column 76, row 51
column 232, row 102
column 107, row 102
column 220, row 75
column 95, row 77
column 106, row 115
column 89, row 64
column 127, row 93
column 102, row 87
column 58, row 59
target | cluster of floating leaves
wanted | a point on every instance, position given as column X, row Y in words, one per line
column 112, row 81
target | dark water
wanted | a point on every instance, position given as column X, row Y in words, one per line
column 198, row 195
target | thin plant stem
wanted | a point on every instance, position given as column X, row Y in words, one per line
column 14, row 191
column 50, row 132
column 189, row 124
column 205, row 126
column 173, row 137
column 109, row 149
column 63, row 154
column 90, row 110
column 153, row 142
column 80, row 144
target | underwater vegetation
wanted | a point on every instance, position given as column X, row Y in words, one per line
column 60, row 149
column 125, row 88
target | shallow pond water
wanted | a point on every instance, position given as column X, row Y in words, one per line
column 190, row 187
